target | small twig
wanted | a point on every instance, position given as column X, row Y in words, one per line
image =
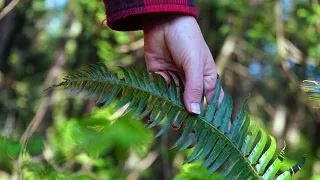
column 143, row 165
column 239, row 69
column 136, row 45
column 165, row 163
column 315, row 4
column 8, row 8
column 281, row 43
column 51, row 78
column 226, row 52
column 279, row 122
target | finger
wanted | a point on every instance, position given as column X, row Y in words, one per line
column 174, row 125
column 220, row 97
column 210, row 77
column 176, row 76
column 209, row 74
column 166, row 76
column 229, row 125
column 188, row 137
column 193, row 144
column 185, row 43
column 149, row 122
column 194, row 86
column 209, row 91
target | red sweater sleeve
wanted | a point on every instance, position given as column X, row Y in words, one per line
column 125, row 15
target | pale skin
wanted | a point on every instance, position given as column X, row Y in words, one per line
column 174, row 43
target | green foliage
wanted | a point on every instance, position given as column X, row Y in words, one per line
column 90, row 141
column 38, row 171
column 35, row 145
column 231, row 151
column 33, row 171
column 9, row 151
column 9, row 148
column 94, row 131
column 194, row 171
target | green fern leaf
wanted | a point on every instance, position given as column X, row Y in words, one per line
column 312, row 88
column 237, row 153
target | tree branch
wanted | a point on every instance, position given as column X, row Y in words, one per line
column 8, row 8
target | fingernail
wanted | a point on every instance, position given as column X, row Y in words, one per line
column 195, row 108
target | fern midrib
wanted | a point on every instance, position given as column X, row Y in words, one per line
column 177, row 105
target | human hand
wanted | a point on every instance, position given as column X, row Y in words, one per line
column 174, row 43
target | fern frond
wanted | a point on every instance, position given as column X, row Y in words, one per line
column 312, row 88
column 233, row 152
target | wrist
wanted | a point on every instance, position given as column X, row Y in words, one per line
column 155, row 19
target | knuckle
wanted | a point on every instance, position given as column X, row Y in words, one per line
column 196, row 90
column 210, row 82
column 185, row 57
column 210, row 86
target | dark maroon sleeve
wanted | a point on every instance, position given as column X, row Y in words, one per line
column 125, row 15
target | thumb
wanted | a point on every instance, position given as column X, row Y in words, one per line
column 193, row 87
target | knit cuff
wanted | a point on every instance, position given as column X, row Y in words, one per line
column 131, row 19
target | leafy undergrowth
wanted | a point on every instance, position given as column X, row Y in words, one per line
column 94, row 141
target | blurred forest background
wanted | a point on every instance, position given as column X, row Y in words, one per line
column 264, row 48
